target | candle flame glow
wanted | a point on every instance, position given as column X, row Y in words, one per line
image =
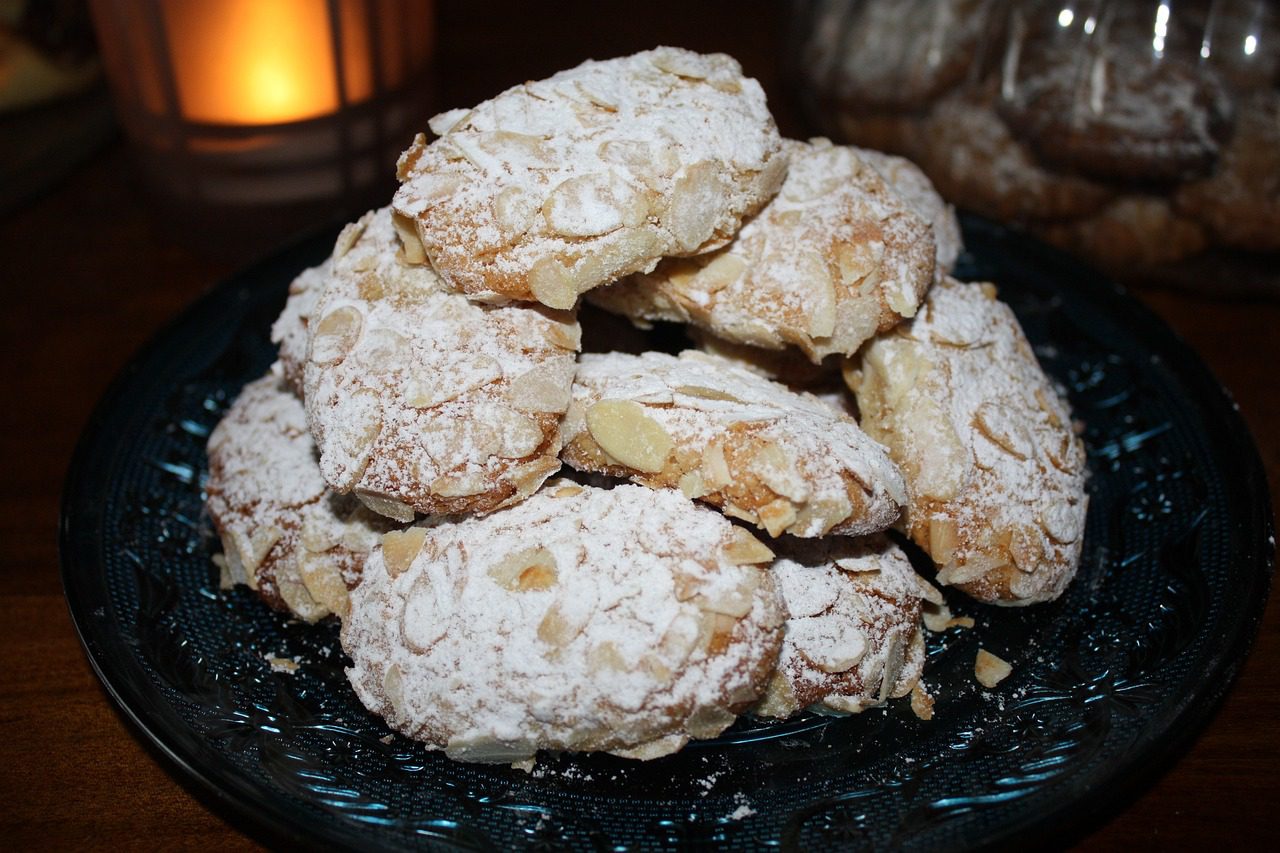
column 252, row 61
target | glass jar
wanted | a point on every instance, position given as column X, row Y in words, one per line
column 1143, row 135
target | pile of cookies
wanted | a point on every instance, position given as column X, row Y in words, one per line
column 718, row 547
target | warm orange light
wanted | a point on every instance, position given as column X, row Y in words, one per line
column 252, row 61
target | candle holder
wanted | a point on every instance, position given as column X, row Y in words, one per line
column 256, row 119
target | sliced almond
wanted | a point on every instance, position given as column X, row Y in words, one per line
column 1063, row 521
column 692, row 486
column 735, row 602
column 657, row 670
column 776, row 516
column 1026, row 547
column 566, row 335
column 323, row 579
column 505, row 143
column 393, row 689
column 827, row 642
column 249, row 550
column 605, row 657
column 1049, row 408
column 349, row 236
column 518, row 436
column 944, row 536
column 921, row 702
column 745, row 549
column 715, row 631
column 696, row 202
column 459, row 485
column 430, row 388
column 715, row 468
column 1002, row 428
column 559, row 627
column 725, row 269
column 680, row 639
column 691, row 66
column 428, row 610
column 819, row 294
column 336, row 334
column 316, row 536
column 591, row 205
column 551, row 284
column 388, row 506
column 442, row 123
column 529, row 569
column 400, row 547
column 708, row 721
column 410, row 242
column 383, row 351
column 625, row 432
column 515, row 209
column 349, row 438
column 543, row 388
column 777, row 469
column 818, row 516
column 989, row 669
column 779, row 699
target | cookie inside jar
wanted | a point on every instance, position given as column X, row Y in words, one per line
column 1140, row 136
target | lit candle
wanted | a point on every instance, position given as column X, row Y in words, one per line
column 252, row 61
column 292, row 109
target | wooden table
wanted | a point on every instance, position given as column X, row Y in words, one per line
column 88, row 275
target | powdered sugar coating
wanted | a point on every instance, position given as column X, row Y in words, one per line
column 559, row 185
column 781, row 460
column 853, row 638
column 994, row 470
column 836, row 257
column 284, row 534
column 913, row 185
column 289, row 331
column 422, row 400
column 621, row 625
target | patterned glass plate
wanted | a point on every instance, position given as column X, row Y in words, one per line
column 1107, row 682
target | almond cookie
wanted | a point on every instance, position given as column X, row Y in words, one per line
column 1126, row 102
column 560, row 185
column 284, row 534
column 853, row 638
column 782, row 461
column 995, row 473
column 976, row 162
column 894, row 54
column 1132, row 232
column 628, row 620
column 1240, row 202
column 834, row 258
column 421, row 400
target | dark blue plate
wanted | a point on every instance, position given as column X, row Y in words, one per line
column 1108, row 683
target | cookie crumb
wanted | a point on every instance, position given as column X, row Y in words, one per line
column 989, row 669
column 281, row 664
column 938, row 618
column 921, row 702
